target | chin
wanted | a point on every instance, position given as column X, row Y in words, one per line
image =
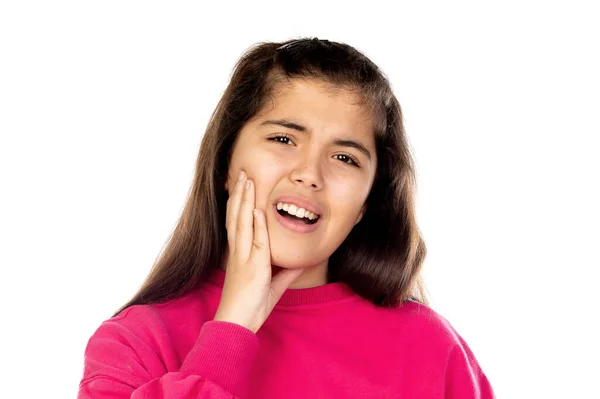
column 292, row 261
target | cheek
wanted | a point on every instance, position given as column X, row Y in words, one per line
column 265, row 171
column 248, row 162
column 347, row 200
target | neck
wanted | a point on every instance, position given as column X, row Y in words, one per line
column 313, row 275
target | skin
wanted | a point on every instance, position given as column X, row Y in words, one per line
column 308, row 164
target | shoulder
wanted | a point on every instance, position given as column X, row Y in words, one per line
column 423, row 320
column 147, row 321
column 416, row 327
column 434, row 339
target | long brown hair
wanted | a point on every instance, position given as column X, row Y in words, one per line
column 382, row 256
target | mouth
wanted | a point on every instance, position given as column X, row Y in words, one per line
column 300, row 215
column 295, row 221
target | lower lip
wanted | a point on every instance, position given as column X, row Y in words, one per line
column 298, row 227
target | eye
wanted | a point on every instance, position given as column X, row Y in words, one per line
column 347, row 159
column 282, row 138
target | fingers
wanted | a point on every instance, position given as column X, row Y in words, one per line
column 245, row 222
column 261, row 251
column 233, row 208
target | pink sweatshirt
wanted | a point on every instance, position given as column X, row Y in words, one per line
column 321, row 342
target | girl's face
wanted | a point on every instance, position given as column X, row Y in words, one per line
column 312, row 147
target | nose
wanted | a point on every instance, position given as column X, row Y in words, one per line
column 308, row 173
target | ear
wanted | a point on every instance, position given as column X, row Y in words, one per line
column 360, row 215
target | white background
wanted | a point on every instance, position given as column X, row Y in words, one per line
column 103, row 106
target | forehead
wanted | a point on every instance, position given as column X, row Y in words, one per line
column 321, row 107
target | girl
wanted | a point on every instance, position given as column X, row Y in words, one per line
column 294, row 269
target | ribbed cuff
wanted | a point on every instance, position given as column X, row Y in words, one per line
column 224, row 353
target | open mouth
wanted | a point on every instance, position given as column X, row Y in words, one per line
column 297, row 215
column 296, row 218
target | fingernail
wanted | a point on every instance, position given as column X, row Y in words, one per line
column 241, row 176
column 247, row 185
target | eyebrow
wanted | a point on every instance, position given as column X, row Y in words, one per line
column 339, row 142
column 286, row 124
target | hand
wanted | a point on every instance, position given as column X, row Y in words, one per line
column 250, row 292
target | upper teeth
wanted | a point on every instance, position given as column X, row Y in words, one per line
column 295, row 211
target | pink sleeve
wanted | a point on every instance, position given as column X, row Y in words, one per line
column 119, row 364
column 464, row 377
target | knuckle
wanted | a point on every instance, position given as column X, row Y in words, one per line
column 241, row 226
column 246, row 200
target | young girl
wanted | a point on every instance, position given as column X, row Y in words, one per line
column 294, row 269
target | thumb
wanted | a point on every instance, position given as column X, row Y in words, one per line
column 282, row 280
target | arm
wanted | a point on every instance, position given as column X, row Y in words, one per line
column 118, row 364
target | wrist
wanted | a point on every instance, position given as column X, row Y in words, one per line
column 234, row 320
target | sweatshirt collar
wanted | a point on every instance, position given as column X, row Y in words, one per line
column 323, row 294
